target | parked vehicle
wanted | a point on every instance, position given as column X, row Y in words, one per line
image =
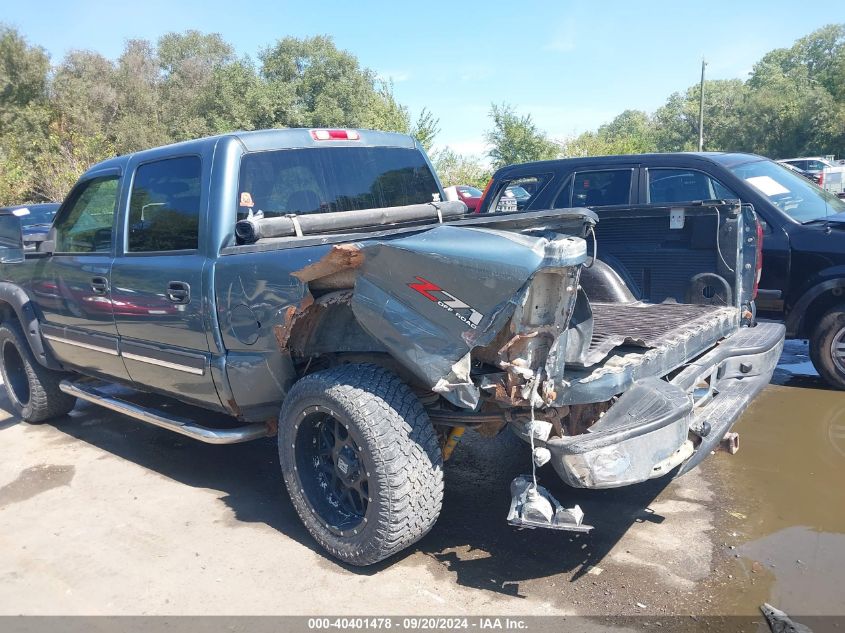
column 828, row 174
column 466, row 194
column 305, row 283
column 35, row 220
column 803, row 276
column 816, row 178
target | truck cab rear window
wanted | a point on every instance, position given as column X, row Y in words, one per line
column 327, row 179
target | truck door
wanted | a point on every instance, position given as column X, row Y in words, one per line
column 157, row 281
column 71, row 285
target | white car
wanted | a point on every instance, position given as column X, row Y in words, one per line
column 830, row 174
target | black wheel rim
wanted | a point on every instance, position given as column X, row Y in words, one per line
column 331, row 470
column 15, row 373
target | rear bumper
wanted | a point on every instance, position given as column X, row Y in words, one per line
column 656, row 426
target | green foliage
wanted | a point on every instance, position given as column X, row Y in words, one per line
column 426, row 128
column 792, row 104
column 457, row 169
column 516, row 139
column 55, row 121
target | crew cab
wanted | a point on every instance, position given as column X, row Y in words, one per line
column 803, row 273
column 313, row 286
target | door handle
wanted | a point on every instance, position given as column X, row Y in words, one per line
column 99, row 285
column 178, row 292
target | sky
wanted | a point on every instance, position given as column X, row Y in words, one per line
column 571, row 65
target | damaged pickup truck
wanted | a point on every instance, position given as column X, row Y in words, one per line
column 311, row 285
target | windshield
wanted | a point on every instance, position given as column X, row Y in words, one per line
column 791, row 193
column 37, row 214
column 326, row 179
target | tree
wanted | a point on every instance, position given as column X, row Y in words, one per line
column 329, row 88
column 426, row 128
column 631, row 132
column 516, row 139
column 458, row 169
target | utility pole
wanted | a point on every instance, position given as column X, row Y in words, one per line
column 701, row 109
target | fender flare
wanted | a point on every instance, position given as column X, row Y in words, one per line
column 22, row 305
column 795, row 318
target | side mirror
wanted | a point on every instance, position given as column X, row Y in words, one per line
column 11, row 240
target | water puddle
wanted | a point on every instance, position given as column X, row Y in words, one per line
column 784, row 498
column 33, row 481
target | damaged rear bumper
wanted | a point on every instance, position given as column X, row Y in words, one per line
column 656, row 426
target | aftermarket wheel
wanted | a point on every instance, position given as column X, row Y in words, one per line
column 33, row 389
column 827, row 347
column 361, row 462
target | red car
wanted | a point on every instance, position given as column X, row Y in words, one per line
column 470, row 196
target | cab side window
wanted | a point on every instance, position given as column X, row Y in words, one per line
column 88, row 224
column 600, row 188
column 164, row 208
column 684, row 185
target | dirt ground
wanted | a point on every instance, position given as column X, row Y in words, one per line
column 100, row 514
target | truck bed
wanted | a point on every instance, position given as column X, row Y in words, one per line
column 647, row 325
column 636, row 340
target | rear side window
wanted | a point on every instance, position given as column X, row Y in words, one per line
column 328, row 179
column 684, row 185
column 165, row 206
column 519, row 193
column 87, row 225
column 601, row 188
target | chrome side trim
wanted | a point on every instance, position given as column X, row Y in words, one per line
column 96, row 348
column 163, row 363
column 179, row 425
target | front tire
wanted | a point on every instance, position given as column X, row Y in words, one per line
column 827, row 347
column 33, row 390
column 361, row 462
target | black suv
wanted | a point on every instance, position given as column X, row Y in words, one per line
column 803, row 278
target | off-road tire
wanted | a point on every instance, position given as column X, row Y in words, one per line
column 33, row 390
column 398, row 448
column 830, row 327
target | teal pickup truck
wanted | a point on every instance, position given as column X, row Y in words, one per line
column 313, row 285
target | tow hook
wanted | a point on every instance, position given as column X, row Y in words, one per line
column 730, row 443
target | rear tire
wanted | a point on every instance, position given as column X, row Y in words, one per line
column 361, row 462
column 827, row 347
column 32, row 389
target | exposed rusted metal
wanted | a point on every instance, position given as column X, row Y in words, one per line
column 730, row 443
column 487, row 422
column 340, row 257
column 282, row 331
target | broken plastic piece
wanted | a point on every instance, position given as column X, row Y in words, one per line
column 539, row 429
column 780, row 622
column 541, row 456
column 534, row 507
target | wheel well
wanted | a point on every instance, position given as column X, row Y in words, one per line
column 7, row 313
column 817, row 309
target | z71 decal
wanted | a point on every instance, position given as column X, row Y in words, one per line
column 447, row 301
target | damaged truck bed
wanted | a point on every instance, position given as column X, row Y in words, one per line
column 333, row 301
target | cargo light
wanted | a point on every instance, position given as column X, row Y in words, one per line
column 335, row 135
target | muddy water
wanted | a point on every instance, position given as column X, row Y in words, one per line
column 784, row 498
